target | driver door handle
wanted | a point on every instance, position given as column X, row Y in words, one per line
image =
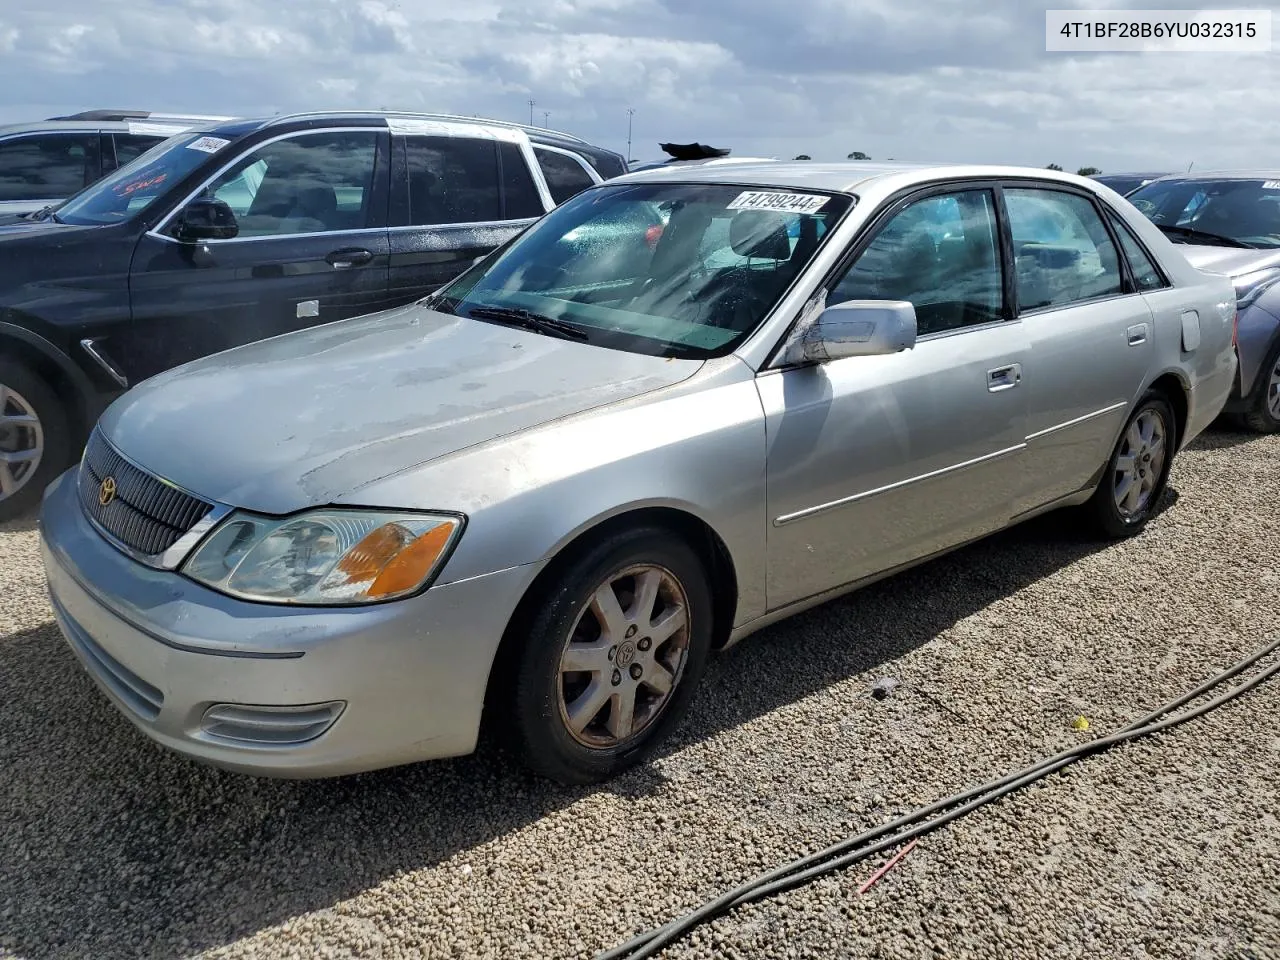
column 349, row 257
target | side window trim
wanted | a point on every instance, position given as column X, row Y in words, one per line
column 379, row 161
column 1116, row 224
column 1127, row 287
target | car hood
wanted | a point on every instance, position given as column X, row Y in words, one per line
column 1229, row 261
column 306, row 418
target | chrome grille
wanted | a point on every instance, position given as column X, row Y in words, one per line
column 145, row 514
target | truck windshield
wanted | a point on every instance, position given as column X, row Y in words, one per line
column 671, row 269
column 132, row 189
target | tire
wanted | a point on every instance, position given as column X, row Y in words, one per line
column 1264, row 416
column 1149, row 472
column 619, row 667
column 24, row 395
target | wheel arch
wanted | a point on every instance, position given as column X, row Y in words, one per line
column 1176, row 390
column 45, row 360
column 692, row 529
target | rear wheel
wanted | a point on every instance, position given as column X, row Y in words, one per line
column 34, row 445
column 613, row 654
column 1265, row 415
column 1138, row 471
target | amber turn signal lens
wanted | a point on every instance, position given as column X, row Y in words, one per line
column 371, row 555
column 410, row 566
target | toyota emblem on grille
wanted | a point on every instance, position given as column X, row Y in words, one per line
column 107, row 492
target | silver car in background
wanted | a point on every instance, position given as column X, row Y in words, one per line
column 1229, row 223
column 682, row 406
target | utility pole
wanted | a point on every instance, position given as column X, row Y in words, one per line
column 630, row 113
column 546, row 119
column 531, row 103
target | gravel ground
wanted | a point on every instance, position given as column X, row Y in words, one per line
column 1166, row 848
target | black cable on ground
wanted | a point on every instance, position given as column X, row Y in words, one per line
column 852, row 850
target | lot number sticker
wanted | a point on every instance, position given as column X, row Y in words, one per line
column 208, row 144
column 779, row 202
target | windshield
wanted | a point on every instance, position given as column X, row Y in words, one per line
column 676, row 270
column 130, row 190
column 1244, row 210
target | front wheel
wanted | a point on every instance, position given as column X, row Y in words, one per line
column 614, row 652
column 34, row 445
column 1138, row 471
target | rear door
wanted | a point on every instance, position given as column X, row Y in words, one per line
column 1091, row 334
column 459, row 191
column 312, row 247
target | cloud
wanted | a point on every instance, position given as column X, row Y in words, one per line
column 965, row 80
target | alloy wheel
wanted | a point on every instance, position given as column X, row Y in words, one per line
column 21, row 441
column 624, row 656
column 1273, row 391
column 1140, row 464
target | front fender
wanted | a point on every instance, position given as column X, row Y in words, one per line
column 700, row 451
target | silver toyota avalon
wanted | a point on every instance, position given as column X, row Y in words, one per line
column 683, row 405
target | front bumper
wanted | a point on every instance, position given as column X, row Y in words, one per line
column 294, row 692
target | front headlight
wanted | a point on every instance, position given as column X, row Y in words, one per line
column 1253, row 285
column 325, row 556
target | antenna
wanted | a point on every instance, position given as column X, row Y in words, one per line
column 531, row 104
column 630, row 113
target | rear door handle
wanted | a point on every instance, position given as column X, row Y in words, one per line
column 350, row 257
column 1004, row 378
column 1137, row 334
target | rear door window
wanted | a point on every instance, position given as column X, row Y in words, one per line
column 1063, row 253
column 47, row 166
column 565, row 176
column 452, row 180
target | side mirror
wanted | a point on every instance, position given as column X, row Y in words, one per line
column 206, row 218
column 856, row 328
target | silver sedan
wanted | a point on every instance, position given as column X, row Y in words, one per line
column 685, row 404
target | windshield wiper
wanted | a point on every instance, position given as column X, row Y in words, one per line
column 528, row 320
column 43, row 213
column 1192, row 234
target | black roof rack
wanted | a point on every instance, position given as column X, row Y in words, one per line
column 106, row 115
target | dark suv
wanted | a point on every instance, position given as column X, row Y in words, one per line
column 47, row 161
column 241, row 231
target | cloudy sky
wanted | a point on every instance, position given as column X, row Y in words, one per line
column 965, row 80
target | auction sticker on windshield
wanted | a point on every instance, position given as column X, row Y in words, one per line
column 779, row 202
column 208, row 144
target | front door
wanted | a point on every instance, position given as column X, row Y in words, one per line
column 312, row 247
column 874, row 462
column 464, row 190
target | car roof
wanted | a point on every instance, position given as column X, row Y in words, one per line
column 839, row 177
